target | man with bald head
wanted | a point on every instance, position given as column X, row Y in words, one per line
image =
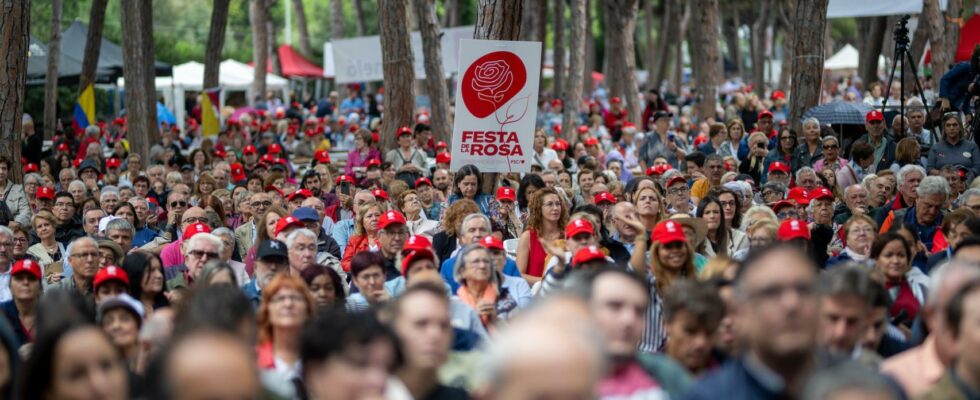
column 171, row 254
column 855, row 202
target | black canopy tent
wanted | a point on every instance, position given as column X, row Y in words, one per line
column 69, row 68
column 110, row 54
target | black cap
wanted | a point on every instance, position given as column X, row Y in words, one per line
column 186, row 167
column 661, row 114
column 270, row 249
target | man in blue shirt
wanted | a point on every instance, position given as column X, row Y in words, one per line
column 271, row 259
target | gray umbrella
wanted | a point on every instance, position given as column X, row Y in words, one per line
column 839, row 112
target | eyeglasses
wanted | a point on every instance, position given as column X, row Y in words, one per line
column 84, row 256
column 286, row 298
column 787, row 214
column 200, row 254
column 266, row 203
column 179, row 203
column 678, row 190
column 831, row 146
column 398, row 233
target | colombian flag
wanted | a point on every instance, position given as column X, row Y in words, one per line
column 210, row 117
column 84, row 109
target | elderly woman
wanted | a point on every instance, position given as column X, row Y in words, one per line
column 481, row 288
column 760, row 233
column 228, row 238
column 756, row 213
column 358, row 158
column 365, row 236
column 954, row 149
column 446, row 241
column 287, row 305
column 468, row 184
column 48, row 250
column 860, row 232
column 13, row 195
column 811, row 149
column 416, row 220
column 31, row 182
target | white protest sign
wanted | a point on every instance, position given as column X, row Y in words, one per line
column 496, row 105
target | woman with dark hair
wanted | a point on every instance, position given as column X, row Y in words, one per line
column 25, row 291
column 784, row 149
column 468, row 184
column 146, row 280
column 718, row 240
column 331, row 343
column 326, row 286
column 892, row 257
column 530, row 184
column 74, row 360
column 363, row 151
column 731, row 207
column 954, row 149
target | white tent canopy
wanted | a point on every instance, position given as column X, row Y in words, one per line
column 233, row 76
column 846, row 59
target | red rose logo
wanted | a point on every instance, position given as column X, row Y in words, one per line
column 491, row 81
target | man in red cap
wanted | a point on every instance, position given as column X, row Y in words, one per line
column 883, row 145
column 406, row 157
column 200, row 246
column 678, row 193
column 779, row 172
column 764, row 124
column 443, row 160
column 171, row 254
column 250, row 157
column 392, row 232
column 507, row 223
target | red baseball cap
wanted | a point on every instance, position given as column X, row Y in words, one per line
column 492, row 243
column 378, row 193
column 390, row 217
column 583, row 128
column 588, row 253
column 441, row 145
column 275, row 148
column 506, row 193
column 821, row 193
column 403, row 131
column 310, row 132
column 31, row 167
column 793, row 229
column 110, row 273
column 62, row 146
column 322, row 156
column 345, row 178
column 219, row 153
column 668, row 231
column 26, row 265
column 249, row 150
column 800, row 195
column 268, row 158
column 44, row 192
column 615, row 100
column 304, row 193
column 674, row 179
column 270, row 188
column 558, row 146
column 777, row 95
column 779, row 166
column 113, row 163
column 604, row 197
column 578, row 226
column 443, row 158
column 422, row 181
column 779, row 205
column 416, row 255
column 237, row 172
column 286, row 222
column 764, row 113
column 417, row 242
column 556, row 102
column 194, row 229
column 591, row 141
column 374, row 162
column 874, row 115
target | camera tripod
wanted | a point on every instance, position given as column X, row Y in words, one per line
column 903, row 55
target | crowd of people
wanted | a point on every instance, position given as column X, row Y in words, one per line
column 671, row 257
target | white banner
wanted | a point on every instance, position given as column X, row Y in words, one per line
column 359, row 59
column 496, row 105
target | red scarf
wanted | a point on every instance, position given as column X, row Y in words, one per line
column 904, row 300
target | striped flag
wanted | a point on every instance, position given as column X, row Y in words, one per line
column 84, row 109
column 210, row 112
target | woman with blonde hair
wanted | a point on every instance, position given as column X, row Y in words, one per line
column 718, row 267
column 287, row 305
column 267, row 231
column 47, row 250
column 907, row 151
column 547, row 219
column 760, row 233
column 365, row 237
column 736, row 131
column 650, row 206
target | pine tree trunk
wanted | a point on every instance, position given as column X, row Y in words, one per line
column 808, row 54
column 450, row 17
column 337, row 32
column 729, row 29
column 216, row 42
column 138, row 70
column 649, row 47
column 590, row 55
column 707, row 62
column 359, row 18
column 759, row 46
column 558, row 46
column 678, row 49
column 620, row 16
column 871, row 51
column 304, row 32
column 270, row 30
column 260, row 48
column 953, row 10
column 937, row 40
column 93, row 44
column 787, row 11
column 15, row 28
column 435, row 83
column 497, row 20
column 669, row 26
column 399, row 71
column 576, row 69
column 51, row 83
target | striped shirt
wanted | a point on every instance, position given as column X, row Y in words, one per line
column 654, row 332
